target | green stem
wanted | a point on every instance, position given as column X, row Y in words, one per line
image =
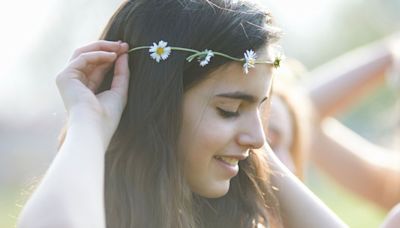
column 197, row 53
column 138, row 48
column 228, row 56
column 184, row 49
column 190, row 58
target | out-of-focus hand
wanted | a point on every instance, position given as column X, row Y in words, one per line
column 81, row 78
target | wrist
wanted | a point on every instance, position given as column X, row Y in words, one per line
column 84, row 117
column 88, row 127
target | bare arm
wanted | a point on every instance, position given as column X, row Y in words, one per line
column 365, row 168
column 360, row 166
column 340, row 82
column 71, row 193
column 299, row 206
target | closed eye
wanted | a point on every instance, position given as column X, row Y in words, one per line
column 227, row 114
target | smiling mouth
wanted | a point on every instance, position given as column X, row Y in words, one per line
column 229, row 160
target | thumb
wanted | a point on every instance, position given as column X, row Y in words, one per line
column 120, row 81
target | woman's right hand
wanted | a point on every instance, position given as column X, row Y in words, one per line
column 82, row 76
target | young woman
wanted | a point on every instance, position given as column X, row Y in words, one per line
column 160, row 123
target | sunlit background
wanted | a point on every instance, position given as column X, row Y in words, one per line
column 37, row 38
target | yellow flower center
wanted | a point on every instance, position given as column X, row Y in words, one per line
column 252, row 61
column 277, row 62
column 160, row 51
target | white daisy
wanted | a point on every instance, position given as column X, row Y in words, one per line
column 250, row 58
column 206, row 59
column 160, row 51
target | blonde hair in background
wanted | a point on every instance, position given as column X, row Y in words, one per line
column 300, row 110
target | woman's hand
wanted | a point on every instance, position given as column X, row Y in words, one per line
column 82, row 76
column 93, row 118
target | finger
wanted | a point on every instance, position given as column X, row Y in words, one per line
column 120, row 81
column 86, row 61
column 98, row 74
column 101, row 45
column 124, row 48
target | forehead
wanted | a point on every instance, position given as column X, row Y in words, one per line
column 231, row 78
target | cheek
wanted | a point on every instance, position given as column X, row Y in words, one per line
column 207, row 134
column 209, row 138
column 273, row 138
column 201, row 143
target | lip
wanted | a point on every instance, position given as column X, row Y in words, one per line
column 238, row 156
column 229, row 169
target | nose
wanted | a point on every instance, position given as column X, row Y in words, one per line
column 252, row 134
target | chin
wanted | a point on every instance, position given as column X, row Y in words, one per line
column 216, row 191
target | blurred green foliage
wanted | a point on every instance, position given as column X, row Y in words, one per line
column 354, row 211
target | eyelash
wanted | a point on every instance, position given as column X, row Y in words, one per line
column 227, row 114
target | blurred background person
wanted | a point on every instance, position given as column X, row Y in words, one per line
column 37, row 40
column 299, row 129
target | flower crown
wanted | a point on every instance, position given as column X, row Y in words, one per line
column 162, row 51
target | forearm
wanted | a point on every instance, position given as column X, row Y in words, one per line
column 340, row 82
column 365, row 169
column 299, row 206
column 71, row 192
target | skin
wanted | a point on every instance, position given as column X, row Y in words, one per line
column 222, row 117
column 92, row 120
column 280, row 131
column 84, row 147
column 365, row 168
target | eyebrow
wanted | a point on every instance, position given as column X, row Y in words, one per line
column 241, row 96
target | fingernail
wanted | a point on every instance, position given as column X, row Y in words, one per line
column 125, row 45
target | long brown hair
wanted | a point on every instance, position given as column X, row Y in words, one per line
column 144, row 183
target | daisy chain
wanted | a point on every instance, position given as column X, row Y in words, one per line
column 161, row 51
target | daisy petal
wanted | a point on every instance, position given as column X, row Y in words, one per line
column 160, row 51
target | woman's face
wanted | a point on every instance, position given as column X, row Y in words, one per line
column 280, row 131
column 221, row 122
